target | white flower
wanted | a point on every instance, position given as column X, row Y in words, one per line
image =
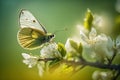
column 96, row 46
column 91, row 39
column 29, row 60
column 98, row 75
column 50, row 51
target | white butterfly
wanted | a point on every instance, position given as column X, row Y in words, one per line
column 32, row 34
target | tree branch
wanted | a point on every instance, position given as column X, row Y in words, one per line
column 86, row 63
column 97, row 65
column 47, row 59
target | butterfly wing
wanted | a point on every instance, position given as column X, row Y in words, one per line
column 28, row 20
column 30, row 38
column 32, row 33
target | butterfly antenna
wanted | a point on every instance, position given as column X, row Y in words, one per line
column 65, row 29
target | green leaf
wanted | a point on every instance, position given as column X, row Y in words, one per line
column 88, row 20
column 80, row 48
column 61, row 49
column 74, row 44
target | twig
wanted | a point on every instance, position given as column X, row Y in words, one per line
column 97, row 65
column 86, row 63
column 47, row 59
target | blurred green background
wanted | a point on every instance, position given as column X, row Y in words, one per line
column 54, row 15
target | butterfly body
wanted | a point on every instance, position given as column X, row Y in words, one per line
column 32, row 34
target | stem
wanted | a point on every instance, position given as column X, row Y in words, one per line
column 47, row 59
column 97, row 65
column 86, row 63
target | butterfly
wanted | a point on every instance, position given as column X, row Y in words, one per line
column 32, row 34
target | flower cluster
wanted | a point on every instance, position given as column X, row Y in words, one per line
column 29, row 60
column 48, row 53
column 98, row 47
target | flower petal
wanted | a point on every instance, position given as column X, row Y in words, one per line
column 29, row 60
column 41, row 68
column 26, row 56
column 50, row 51
column 92, row 34
column 83, row 37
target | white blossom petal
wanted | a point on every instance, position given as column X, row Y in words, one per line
column 41, row 68
column 29, row 60
column 100, row 46
column 92, row 34
column 83, row 37
column 26, row 56
column 50, row 51
column 104, row 46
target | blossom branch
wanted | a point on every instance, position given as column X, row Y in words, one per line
column 47, row 59
column 86, row 63
column 97, row 65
